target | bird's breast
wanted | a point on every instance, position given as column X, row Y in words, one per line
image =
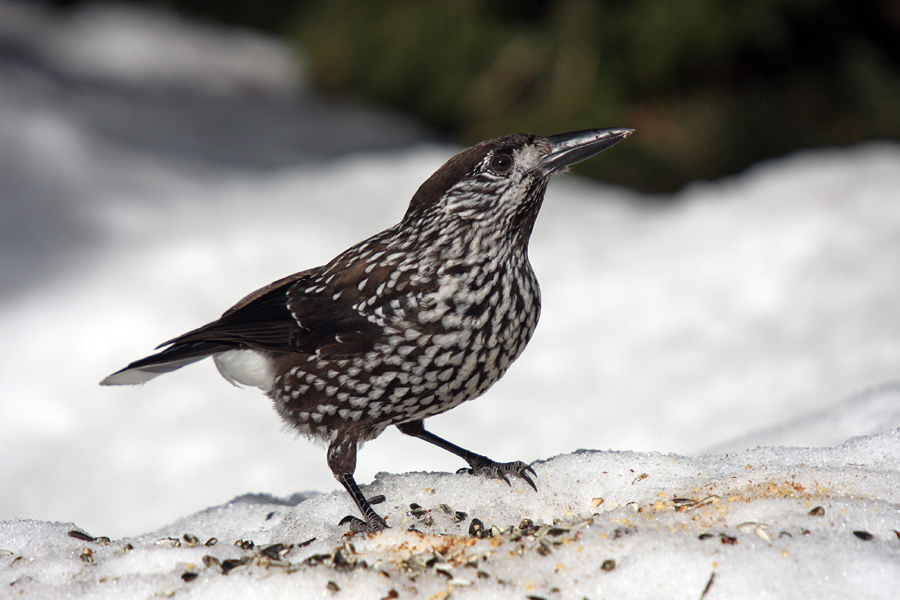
column 489, row 312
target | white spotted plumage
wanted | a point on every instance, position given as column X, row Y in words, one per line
column 405, row 325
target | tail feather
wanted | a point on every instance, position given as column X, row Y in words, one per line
column 170, row 359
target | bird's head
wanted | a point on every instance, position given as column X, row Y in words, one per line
column 499, row 184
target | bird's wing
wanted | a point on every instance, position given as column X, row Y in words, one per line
column 260, row 320
column 264, row 320
column 299, row 313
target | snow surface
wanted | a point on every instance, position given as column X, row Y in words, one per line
column 144, row 192
column 765, row 523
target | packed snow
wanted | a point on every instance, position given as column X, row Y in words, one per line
column 729, row 357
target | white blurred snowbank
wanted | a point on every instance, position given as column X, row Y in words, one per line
column 139, row 45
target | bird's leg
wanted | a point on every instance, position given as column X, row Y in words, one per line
column 342, row 461
column 478, row 464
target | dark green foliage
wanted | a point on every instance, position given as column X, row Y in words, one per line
column 711, row 86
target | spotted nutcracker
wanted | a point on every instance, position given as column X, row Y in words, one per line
column 407, row 324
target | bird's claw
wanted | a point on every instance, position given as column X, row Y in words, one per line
column 357, row 525
column 488, row 468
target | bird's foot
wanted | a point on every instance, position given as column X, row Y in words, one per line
column 373, row 524
column 484, row 466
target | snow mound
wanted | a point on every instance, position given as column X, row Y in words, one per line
column 771, row 522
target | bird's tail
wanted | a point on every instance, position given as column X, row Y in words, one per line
column 174, row 357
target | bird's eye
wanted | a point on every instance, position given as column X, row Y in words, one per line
column 501, row 163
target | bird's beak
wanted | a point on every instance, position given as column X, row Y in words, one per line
column 567, row 149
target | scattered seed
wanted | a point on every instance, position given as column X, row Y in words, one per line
column 864, row 535
column 191, row 539
column 460, row 582
column 380, row 498
column 804, row 532
column 6, row 552
column 333, row 586
column 169, row 541
column 127, row 547
column 483, row 574
column 784, row 534
column 595, row 502
column 306, row 543
column 583, row 523
column 495, row 531
column 102, row 540
column 818, row 511
column 392, row 593
column 622, row 532
column 682, row 503
column 189, row 576
column 533, row 597
column 608, row 565
column 244, row 544
column 211, row 542
column 761, row 532
column 416, row 563
column 273, row 551
column 555, row 531
column 708, row 500
column 233, row 563
column 705, row 536
column 211, row 561
column 476, row 528
column 746, row 527
column 712, row 577
column 270, row 515
column 728, row 540
column 316, row 559
column 343, row 563
column 80, row 535
column 87, row 555
column 279, row 563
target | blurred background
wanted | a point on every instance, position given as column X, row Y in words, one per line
column 729, row 277
column 713, row 86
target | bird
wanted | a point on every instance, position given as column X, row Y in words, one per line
column 405, row 325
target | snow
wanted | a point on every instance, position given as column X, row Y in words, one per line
column 741, row 340
column 770, row 522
